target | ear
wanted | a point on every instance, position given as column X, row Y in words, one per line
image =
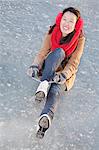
column 79, row 24
column 58, row 18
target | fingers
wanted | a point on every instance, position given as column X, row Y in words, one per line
column 30, row 72
column 59, row 78
column 56, row 78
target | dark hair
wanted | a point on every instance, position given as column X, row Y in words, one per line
column 68, row 37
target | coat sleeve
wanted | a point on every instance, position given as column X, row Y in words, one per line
column 45, row 49
column 72, row 65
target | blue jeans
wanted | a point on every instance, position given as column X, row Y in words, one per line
column 52, row 62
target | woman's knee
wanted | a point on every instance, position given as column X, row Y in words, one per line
column 59, row 52
column 56, row 54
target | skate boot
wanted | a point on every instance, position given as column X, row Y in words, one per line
column 43, row 125
column 42, row 90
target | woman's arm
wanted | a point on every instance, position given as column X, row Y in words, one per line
column 72, row 65
column 45, row 49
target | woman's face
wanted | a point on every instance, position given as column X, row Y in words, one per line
column 67, row 24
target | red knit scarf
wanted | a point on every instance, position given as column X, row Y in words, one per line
column 57, row 35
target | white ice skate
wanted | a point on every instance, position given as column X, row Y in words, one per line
column 42, row 90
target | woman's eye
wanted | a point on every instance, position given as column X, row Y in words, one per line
column 71, row 21
column 68, row 20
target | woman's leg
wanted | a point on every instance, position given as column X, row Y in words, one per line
column 52, row 62
column 50, row 108
column 52, row 100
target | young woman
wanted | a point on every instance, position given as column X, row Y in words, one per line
column 57, row 61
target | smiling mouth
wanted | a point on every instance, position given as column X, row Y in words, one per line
column 65, row 28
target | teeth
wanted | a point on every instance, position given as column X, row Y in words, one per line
column 65, row 28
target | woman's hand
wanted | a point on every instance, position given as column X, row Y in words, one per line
column 33, row 71
column 59, row 78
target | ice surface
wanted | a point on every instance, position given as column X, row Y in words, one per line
column 23, row 24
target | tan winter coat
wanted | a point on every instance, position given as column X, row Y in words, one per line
column 70, row 67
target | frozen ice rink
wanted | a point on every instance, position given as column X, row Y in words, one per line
column 23, row 24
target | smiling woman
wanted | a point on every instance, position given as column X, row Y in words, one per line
column 57, row 61
column 67, row 23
